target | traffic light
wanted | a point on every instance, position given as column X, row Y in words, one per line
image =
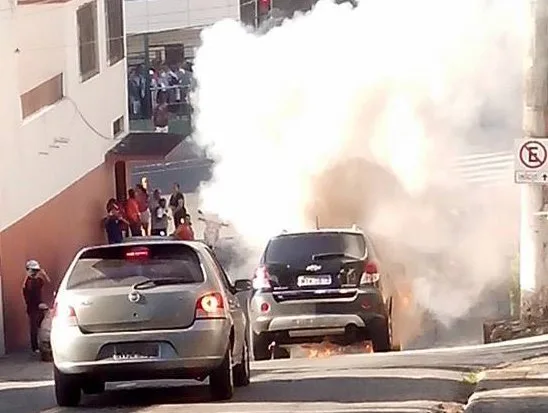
column 265, row 5
column 263, row 8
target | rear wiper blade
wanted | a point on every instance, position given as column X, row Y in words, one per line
column 328, row 255
column 158, row 282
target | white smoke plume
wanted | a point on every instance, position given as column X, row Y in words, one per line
column 355, row 116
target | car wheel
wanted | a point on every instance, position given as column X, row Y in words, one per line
column 221, row 381
column 261, row 342
column 46, row 356
column 379, row 332
column 92, row 386
column 242, row 371
column 67, row 389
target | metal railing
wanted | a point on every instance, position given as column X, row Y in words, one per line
column 486, row 168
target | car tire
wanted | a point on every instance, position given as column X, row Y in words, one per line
column 68, row 392
column 261, row 342
column 379, row 332
column 46, row 356
column 93, row 387
column 242, row 371
column 221, row 380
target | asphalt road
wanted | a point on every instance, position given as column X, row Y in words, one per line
column 404, row 382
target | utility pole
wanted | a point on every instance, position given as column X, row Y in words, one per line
column 533, row 237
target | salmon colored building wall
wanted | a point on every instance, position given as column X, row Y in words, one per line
column 52, row 234
column 58, row 124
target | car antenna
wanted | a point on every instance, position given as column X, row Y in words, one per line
column 317, row 222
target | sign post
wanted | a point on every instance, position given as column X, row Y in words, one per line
column 530, row 161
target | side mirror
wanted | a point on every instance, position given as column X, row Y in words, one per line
column 242, row 285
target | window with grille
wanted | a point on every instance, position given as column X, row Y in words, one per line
column 115, row 30
column 248, row 12
column 87, row 40
column 117, row 127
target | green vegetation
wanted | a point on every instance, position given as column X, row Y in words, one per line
column 515, row 293
column 473, row 377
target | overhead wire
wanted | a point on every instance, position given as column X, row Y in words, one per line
column 86, row 121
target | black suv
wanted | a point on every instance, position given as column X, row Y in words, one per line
column 310, row 285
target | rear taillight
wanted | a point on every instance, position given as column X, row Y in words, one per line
column 64, row 314
column 211, row 306
column 370, row 273
column 261, row 279
column 137, row 254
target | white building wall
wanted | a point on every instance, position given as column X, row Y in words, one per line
column 32, row 172
column 8, row 113
column 145, row 16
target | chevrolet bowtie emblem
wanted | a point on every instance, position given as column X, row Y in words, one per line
column 314, row 267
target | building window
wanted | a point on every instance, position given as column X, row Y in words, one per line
column 87, row 40
column 117, row 126
column 248, row 12
column 45, row 94
column 115, row 30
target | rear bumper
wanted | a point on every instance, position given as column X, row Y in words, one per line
column 187, row 368
column 307, row 321
column 300, row 318
column 185, row 353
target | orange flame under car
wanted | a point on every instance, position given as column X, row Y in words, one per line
column 327, row 349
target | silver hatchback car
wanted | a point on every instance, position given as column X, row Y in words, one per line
column 148, row 310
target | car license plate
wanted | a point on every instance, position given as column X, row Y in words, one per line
column 135, row 351
column 313, row 280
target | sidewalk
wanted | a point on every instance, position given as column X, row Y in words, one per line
column 26, row 384
column 24, row 367
column 520, row 387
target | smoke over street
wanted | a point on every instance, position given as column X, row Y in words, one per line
column 356, row 116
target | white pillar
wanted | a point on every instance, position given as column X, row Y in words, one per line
column 9, row 108
column 531, row 252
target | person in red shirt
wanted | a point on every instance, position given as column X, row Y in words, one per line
column 184, row 231
column 133, row 215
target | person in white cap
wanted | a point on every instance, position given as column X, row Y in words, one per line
column 32, row 293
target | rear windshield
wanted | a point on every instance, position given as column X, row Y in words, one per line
column 301, row 247
column 110, row 267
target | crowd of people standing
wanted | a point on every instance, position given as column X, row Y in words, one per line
column 144, row 215
column 170, row 87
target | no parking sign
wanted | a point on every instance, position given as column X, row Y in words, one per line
column 530, row 161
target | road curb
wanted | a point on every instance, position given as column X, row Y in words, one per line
column 511, row 388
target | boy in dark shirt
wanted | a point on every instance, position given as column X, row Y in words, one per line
column 113, row 224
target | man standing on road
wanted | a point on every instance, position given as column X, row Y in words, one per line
column 176, row 197
column 177, row 205
column 32, row 293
